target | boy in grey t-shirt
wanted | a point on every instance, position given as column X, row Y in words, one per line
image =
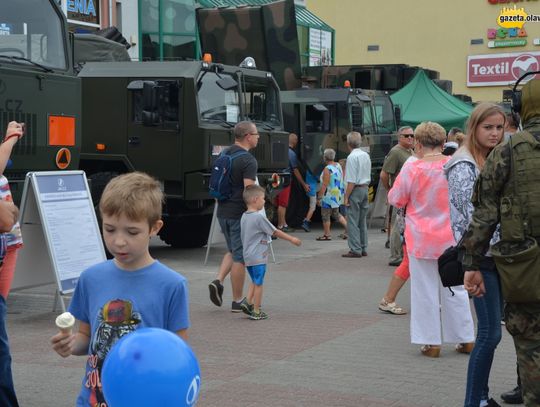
column 256, row 232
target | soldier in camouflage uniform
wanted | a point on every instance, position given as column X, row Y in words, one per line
column 495, row 182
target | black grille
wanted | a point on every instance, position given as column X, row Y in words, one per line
column 26, row 145
column 279, row 152
column 259, row 152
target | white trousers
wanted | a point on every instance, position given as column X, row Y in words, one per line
column 436, row 315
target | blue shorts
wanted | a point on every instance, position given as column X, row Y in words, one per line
column 231, row 230
column 257, row 273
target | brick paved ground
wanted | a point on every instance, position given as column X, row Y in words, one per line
column 325, row 344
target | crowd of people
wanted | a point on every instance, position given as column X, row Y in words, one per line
column 430, row 178
column 476, row 189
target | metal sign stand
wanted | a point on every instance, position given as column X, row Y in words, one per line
column 60, row 232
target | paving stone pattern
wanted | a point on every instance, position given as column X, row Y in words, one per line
column 325, row 344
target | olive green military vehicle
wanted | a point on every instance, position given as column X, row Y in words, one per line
column 321, row 115
column 38, row 87
column 171, row 120
column 324, row 117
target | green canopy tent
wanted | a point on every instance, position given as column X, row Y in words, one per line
column 422, row 100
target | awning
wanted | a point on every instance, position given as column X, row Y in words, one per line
column 304, row 17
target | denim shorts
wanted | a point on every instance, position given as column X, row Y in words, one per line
column 231, row 230
column 257, row 273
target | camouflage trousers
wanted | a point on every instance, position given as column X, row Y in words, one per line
column 523, row 323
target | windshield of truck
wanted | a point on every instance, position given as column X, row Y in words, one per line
column 262, row 102
column 31, row 29
column 215, row 103
column 384, row 113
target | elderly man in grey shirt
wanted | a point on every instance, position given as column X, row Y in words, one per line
column 357, row 179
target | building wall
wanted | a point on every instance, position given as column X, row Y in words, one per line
column 427, row 33
column 129, row 17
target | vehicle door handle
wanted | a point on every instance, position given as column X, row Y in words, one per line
column 134, row 141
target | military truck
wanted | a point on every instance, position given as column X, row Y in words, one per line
column 171, row 120
column 320, row 114
column 324, row 117
column 38, row 87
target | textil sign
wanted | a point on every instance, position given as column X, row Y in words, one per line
column 500, row 69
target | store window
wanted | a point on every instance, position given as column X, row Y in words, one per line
column 168, row 29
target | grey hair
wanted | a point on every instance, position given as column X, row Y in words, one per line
column 354, row 139
column 403, row 128
column 329, row 154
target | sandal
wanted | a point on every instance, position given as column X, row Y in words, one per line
column 465, row 347
column 391, row 308
column 343, row 236
column 324, row 238
column 432, row 351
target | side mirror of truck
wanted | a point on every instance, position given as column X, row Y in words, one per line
column 150, row 116
column 397, row 115
column 227, row 83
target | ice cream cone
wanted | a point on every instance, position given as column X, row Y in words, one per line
column 65, row 322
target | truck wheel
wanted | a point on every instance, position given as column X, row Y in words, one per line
column 97, row 185
column 188, row 232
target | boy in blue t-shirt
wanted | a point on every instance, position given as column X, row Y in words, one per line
column 256, row 231
column 131, row 291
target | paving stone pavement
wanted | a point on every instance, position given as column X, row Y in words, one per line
column 325, row 344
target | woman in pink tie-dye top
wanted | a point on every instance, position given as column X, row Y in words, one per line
column 436, row 315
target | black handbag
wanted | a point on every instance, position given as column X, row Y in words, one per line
column 450, row 267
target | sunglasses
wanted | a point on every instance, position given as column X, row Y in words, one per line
column 408, row 135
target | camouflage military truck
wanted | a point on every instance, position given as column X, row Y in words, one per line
column 171, row 120
column 320, row 116
column 38, row 87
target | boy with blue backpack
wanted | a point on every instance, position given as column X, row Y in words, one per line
column 235, row 169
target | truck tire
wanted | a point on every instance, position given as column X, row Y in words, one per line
column 187, row 232
column 98, row 181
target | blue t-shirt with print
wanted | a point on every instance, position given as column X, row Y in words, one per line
column 116, row 302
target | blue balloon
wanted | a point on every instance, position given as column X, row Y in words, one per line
column 151, row 367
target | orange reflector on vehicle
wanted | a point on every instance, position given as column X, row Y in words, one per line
column 63, row 158
column 207, row 58
column 61, row 131
column 100, row 147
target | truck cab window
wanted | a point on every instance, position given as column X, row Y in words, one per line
column 167, row 103
column 262, row 103
column 357, row 117
column 216, row 103
column 32, row 31
column 384, row 113
column 318, row 119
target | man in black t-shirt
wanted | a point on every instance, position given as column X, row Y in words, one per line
column 229, row 213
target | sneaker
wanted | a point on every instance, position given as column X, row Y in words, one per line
column 258, row 315
column 492, row 403
column 216, row 292
column 513, row 396
column 237, row 306
column 306, row 225
column 286, row 229
column 247, row 308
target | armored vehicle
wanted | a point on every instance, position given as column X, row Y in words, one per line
column 171, row 120
column 38, row 87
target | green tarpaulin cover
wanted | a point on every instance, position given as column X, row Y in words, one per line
column 422, row 100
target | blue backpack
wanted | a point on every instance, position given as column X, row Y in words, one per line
column 220, row 179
